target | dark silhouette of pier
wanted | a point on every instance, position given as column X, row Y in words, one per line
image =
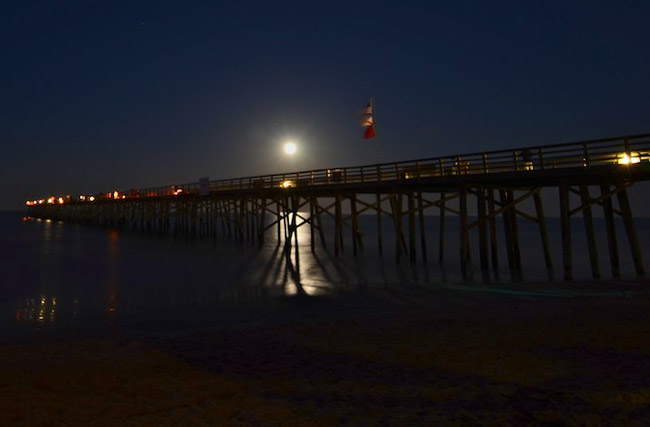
column 587, row 175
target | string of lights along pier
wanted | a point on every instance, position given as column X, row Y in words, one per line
column 479, row 188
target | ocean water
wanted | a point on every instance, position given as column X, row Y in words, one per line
column 64, row 274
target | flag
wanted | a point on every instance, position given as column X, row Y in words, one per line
column 368, row 121
column 369, row 133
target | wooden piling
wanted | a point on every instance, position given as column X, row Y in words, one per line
column 355, row 224
column 397, row 222
column 312, row 239
column 319, row 223
column 543, row 231
column 338, row 226
column 464, row 248
column 608, row 212
column 493, row 232
column 507, row 231
column 566, row 231
column 515, row 234
column 261, row 218
column 482, row 234
column 441, row 229
column 411, row 220
column 423, row 239
column 588, row 220
column 380, row 239
column 630, row 230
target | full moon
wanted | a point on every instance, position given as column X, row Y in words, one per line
column 290, row 148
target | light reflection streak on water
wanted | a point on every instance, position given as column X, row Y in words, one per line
column 299, row 271
column 182, row 272
column 105, row 271
column 113, row 272
column 39, row 310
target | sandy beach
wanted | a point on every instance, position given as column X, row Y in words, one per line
column 579, row 355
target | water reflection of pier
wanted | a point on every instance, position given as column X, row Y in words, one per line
column 506, row 184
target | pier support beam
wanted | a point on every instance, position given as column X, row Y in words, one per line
column 626, row 212
column 464, row 238
column 541, row 221
column 482, row 234
column 589, row 231
column 565, row 220
column 608, row 212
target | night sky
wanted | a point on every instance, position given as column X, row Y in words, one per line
column 103, row 95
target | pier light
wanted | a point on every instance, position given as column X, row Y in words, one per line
column 82, row 198
column 51, row 200
column 60, row 200
column 287, row 184
column 40, row 202
column 625, row 159
column 91, row 198
column 116, row 194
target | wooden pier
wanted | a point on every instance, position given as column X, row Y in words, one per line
column 479, row 188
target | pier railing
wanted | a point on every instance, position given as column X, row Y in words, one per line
column 625, row 150
column 621, row 150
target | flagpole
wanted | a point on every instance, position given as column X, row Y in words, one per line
column 377, row 141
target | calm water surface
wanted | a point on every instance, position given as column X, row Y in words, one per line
column 56, row 273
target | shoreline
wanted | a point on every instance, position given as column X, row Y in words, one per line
column 448, row 357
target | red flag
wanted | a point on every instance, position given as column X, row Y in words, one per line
column 369, row 133
column 368, row 121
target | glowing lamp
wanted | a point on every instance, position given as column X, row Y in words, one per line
column 625, row 159
column 287, row 184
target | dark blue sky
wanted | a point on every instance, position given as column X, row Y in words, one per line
column 98, row 95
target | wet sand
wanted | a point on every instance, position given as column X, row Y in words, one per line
column 579, row 355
